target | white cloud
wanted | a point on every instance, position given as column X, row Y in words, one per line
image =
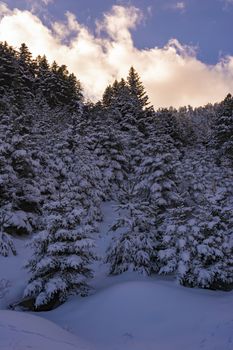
column 47, row 2
column 172, row 75
column 178, row 6
column 226, row 4
column 119, row 21
column 39, row 6
column 150, row 10
column 3, row 9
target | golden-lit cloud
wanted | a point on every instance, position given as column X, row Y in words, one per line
column 172, row 75
column 3, row 9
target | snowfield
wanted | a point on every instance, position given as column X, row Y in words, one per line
column 125, row 312
column 139, row 315
column 150, row 315
column 21, row 331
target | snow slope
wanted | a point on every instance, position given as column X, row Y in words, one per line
column 150, row 315
column 13, row 276
column 21, row 331
column 139, row 315
column 126, row 312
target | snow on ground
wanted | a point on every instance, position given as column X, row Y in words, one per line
column 126, row 312
column 21, row 331
column 13, row 276
column 150, row 315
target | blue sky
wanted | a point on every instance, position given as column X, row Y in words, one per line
column 182, row 49
column 206, row 24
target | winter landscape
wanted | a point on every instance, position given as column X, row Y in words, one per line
column 116, row 209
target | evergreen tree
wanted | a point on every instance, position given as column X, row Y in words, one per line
column 157, row 182
column 212, row 263
column 167, row 124
column 179, row 231
column 223, row 133
column 197, row 247
column 137, row 90
column 62, row 254
column 8, row 74
column 43, row 76
column 19, row 180
column 134, row 248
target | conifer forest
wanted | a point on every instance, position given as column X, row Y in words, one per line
column 169, row 172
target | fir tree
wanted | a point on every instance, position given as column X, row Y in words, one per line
column 223, row 133
column 137, row 90
column 60, row 265
column 156, row 174
column 134, row 248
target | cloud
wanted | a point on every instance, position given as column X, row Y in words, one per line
column 39, row 6
column 118, row 23
column 47, row 2
column 39, row 2
column 179, row 6
column 149, row 10
column 172, row 75
column 226, row 4
column 3, row 9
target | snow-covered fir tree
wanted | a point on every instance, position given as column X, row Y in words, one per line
column 197, row 247
column 223, row 131
column 134, row 247
column 156, row 173
column 179, row 232
column 62, row 254
column 212, row 263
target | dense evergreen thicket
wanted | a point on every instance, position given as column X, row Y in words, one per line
column 170, row 171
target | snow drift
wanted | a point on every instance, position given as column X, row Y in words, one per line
column 21, row 331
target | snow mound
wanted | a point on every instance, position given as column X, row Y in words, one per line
column 21, row 331
column 144, row 315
